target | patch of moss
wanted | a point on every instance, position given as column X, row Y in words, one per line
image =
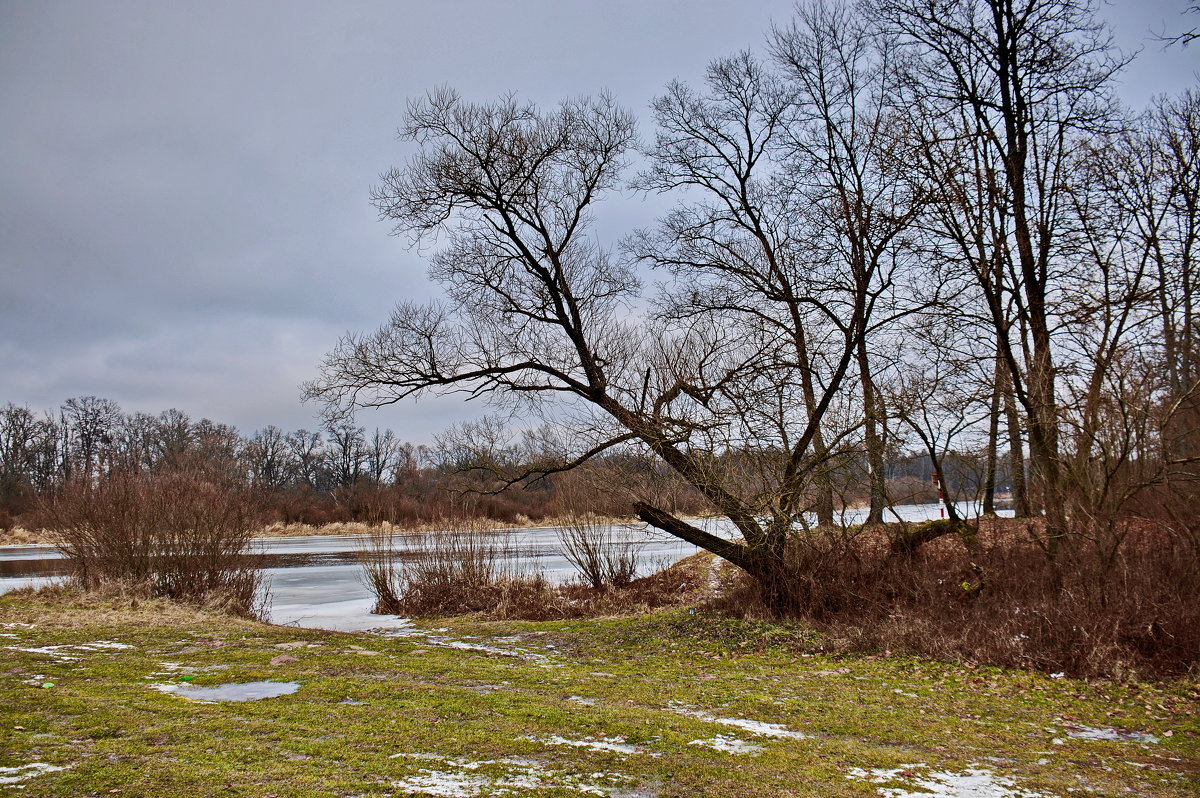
column 382, row 715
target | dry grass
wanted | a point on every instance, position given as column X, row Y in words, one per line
column 112, row 605
column 20, row 536
column 470, row 569
column 462, row 569
column 1132, row 612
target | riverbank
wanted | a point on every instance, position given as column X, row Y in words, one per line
column 681, row 703
column 19, row 536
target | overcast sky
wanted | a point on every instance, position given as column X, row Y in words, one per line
column 184, row 215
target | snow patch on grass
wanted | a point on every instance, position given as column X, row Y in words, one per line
column 616, row 745
column 974, row 782
column 457, row 778
column 22, row 772
column 71, row 652
column 753, row 726
column 729, row 745
column 230, row 691
column 1109, row 733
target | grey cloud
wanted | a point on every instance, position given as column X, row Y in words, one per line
column 183, row 186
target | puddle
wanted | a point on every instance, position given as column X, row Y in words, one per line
column 22, row 772
column 729, row 745
column 1109, row 733
column 230, row 691
column 971, row 783
column 753, row 726
column 459, row 778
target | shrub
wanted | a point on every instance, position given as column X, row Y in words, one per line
column 181, row 535
column 603, row 556
column 464, row 569
column 468, row 569
column 1134, row 612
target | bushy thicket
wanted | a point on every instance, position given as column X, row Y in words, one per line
column 181, row 535
column 1132, row 610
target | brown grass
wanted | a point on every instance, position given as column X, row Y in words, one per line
column 1135, row 612
column 21, row 536
column 471, row 570
column 113, row 605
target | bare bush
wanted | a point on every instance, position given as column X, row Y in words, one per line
column 180, row 535
column 1134, row 613
column 605, row 555
column 467, row 568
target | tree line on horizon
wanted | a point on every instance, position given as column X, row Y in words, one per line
column 343, row 472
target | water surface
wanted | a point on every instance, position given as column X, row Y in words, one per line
column 316, row 581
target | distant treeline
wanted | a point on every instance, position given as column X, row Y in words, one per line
column 343, row 472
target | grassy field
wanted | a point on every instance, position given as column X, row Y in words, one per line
column 676, row 704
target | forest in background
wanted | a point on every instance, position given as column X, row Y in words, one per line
column 345, row 473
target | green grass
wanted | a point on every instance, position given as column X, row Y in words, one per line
column 487, row 722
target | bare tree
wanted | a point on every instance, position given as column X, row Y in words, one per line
column 1019, row 79
column 88, row 425
column 382, row 452
column 271, row 461
column 347, row 453
column 536, row 312
column 304, row 449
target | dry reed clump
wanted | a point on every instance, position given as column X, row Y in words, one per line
column 464, row 569
column 179, row 535
column 282, row 529
column 604, row 555
column 20, row 536
column 1129, row 612
column 469, row 569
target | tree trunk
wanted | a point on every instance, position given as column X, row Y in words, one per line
column 993, row 443
column 872, row 406
column 1016, row 448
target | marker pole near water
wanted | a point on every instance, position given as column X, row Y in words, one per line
column 937, row 483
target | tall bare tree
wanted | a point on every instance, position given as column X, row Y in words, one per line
column 1022, row 79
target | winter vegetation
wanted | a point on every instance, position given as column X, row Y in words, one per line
column 904, row 227
column 916, row 251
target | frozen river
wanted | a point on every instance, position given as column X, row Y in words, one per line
column 316, row 581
